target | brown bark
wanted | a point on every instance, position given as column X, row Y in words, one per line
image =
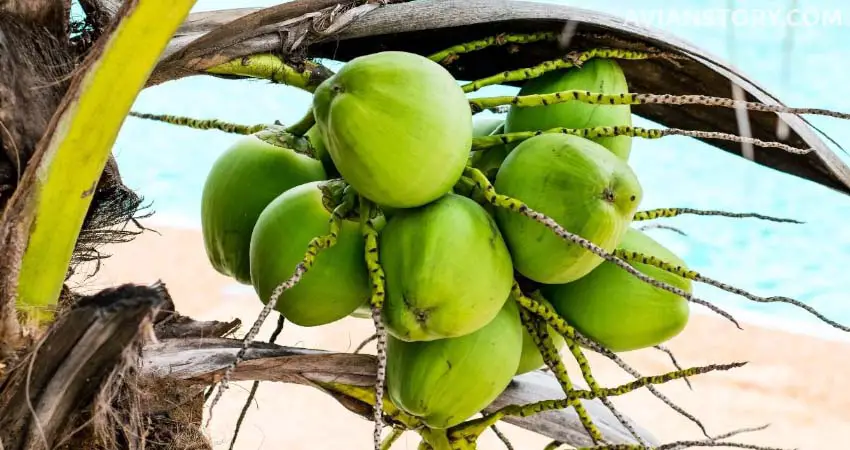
column 101, row 11
column 68, row 366
column 83, row 379
column 202, row 361
column 214, row 47
column 51, row 15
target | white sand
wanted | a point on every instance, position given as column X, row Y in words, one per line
column 795, row 383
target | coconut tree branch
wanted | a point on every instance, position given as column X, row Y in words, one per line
column 305, row 75
column 214, row 30
column 203, row 361
column 211, row 40
column 285, row 27
column 254, row 24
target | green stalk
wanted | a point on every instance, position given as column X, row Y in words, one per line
column 272, row 68
column 60, row 180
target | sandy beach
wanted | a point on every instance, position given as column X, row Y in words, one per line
column 795, row 383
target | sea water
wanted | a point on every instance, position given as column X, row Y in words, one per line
column 808, row 68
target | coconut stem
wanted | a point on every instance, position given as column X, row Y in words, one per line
column 365, row 343
column 536, row 329
column 678, row 445
column 663, row 227
column 451, row 54
column 377, row 278
column 514, row 205
column 635, row 257
column 274, row 134
column 674, row 212
column 559, row 324
column 271, row 134
column 391, row 438
column 531, row 409
column 584, row 367
column 278, row 136
column 658, row 379
column 301, row 127
column 367, row 395
column 674, row 361
column 272, row 68
column 502, row 437
column 483, row 142
column 256, row 385
column 574, row 59
column 315, row 246
column 584, row 364
column 597, row 98
column 540, row 335
column 633, row 372
column 472, row 429
column 435, row 439
column 200, row 124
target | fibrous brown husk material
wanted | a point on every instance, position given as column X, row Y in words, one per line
column 82, row 380
column 34, row 68
column 135, row 413
column 117, row 426
column 114, row 208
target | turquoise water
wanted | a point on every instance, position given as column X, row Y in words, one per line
column 167, row 164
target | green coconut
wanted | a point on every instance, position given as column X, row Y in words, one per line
column 484, row 125
column 397, row 126
column 241, row 183
column 490, row 159
column 619, row 311
column 337, row 283
column 446, row 381
column 364, row 311
column 582, row 186
column 448, row 270
column 320, row 152
column 596, row 75
column 530, row 358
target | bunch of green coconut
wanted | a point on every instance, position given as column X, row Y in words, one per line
column 392, row 158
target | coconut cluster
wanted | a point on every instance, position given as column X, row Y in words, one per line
column 397, row 129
